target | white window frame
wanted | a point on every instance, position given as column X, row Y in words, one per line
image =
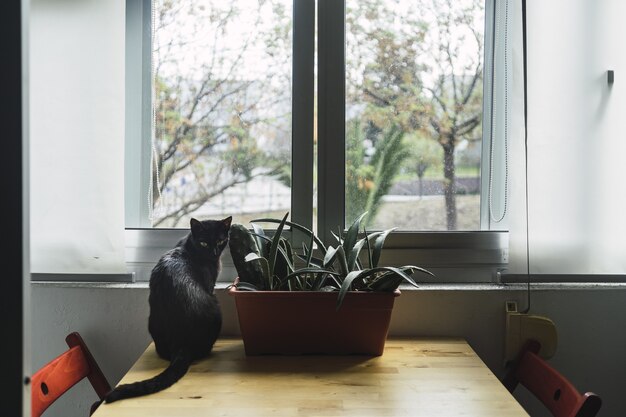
column 455, row 256
column 138, row 111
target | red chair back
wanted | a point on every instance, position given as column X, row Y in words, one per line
column 65, row 371
column 549, row 386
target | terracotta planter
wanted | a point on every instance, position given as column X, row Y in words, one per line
column 284, row 322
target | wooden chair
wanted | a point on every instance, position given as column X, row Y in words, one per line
column 549, row 386
column 62, row 373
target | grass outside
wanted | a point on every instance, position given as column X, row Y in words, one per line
column 425, row 214
column 437, row 173
column 428, row 214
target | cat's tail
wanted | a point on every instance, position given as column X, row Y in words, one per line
column 176, row 370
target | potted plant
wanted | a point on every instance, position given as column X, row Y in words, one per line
column 295, row 303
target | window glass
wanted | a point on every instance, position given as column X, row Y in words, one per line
column 414, row 72
column 222, row 110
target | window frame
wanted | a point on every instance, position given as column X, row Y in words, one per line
column 454, row 256
column 492, row 70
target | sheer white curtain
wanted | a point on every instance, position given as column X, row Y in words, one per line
column 576, row 138
column 77, row 136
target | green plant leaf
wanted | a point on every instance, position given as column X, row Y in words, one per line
column 281, row 248
column 343, row 263
column 368, row 237
column 259, row 236
column 314, row 261
column 296, row 226
column 287, row 253
column 305, row 271
column 310, row 254
column 318, row 281
column 369, row 248
column 356, row 276
column 274, row 248
column 246, row 286
column 345, row 287
column 386, row 282
column 352, row 234
column 339, row 255
column 266, row 242
column 420, row 269
column 354, row 254
column 252, row 256
column 306, row 256
column 401, row 272
column 264, row 267
column 378, row 246
column 389, row 281
column 329, row 257
column 336, row 282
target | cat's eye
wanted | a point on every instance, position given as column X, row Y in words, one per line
column 204, row 244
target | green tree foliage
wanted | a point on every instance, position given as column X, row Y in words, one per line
column 370, row 170
column 424, row 154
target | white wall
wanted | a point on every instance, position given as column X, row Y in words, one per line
column 590, row 322
column 576, row 143
column 76, row 155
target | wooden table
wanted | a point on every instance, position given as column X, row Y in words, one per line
column 414, row 377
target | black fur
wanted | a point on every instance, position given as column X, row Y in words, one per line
column 185, row 317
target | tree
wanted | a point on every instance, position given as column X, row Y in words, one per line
column 455, row 110
column 419, row 65
column 217, row 124
column 370, row 170
column 424, row 154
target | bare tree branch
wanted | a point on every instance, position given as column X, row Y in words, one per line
column 192, row 205
column 470, row 91
column 381, row 100
column 468, row 125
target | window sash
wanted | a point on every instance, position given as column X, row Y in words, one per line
column 138, row 112
column 303, row 112
column 495, row 15
column 331, row 120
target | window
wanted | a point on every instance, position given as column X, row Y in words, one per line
column 414, row 105
column 263, row 107
column 221, row 99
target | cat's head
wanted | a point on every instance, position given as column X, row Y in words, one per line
column 210, row 237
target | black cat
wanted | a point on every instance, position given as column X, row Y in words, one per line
column 185, row 317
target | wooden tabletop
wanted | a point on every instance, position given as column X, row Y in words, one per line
column 414, row 377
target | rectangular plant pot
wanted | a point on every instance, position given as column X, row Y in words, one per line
column 307, row 322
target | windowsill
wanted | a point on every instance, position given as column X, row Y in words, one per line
column 92, row 284
column 222, row 286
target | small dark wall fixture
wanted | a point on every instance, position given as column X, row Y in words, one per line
column 610, row 76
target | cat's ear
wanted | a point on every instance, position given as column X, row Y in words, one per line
column 196, row 226
column 227, row 221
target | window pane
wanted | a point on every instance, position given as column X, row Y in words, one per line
column 414, row 113
column 222, row 102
